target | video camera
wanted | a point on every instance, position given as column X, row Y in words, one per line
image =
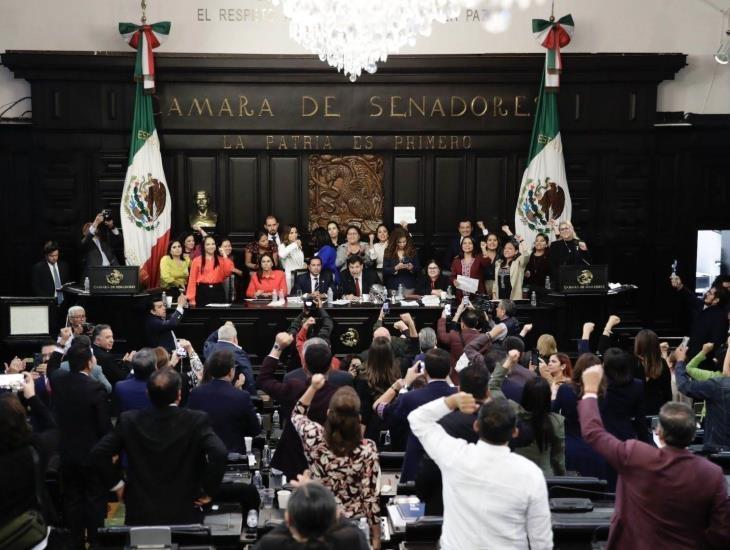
column 483, row 304
column 310, row 307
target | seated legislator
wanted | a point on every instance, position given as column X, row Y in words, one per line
column 315, row 281
column 266, row 279
column 431, row 281
column 175, row 461
column 312, row 520
column 400, row 262
column 356, row 281
column 231, row 412
column 666, row 497
column 207, row 273
column 492, row 497
column 159, row 328
column 174, row 268
column 49, row 275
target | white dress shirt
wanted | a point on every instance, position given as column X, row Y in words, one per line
column 291, row 258
column 493, row 498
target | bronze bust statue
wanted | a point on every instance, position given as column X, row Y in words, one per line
column 203, row 215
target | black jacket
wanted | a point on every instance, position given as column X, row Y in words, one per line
column 92, row 256
column 82, row 413
column 114, row 368
column 344, row 534
column 709, row 324
column 159, row 331
column 173, row 457
column 423, row 284
column 303, row 282
column 347, row 282
column 42, row 280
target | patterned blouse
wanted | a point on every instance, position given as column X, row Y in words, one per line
column 353, row 479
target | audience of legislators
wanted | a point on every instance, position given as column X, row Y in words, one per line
column 174, row 269
column 509, row 269
column 468, row 264
column 266, row 280
column 260, row 246
column 543, row 437
column 666, row 497
column 207, row 273
column 325, row 250
column 290, row 254
column 315, row 282
column 567, row 250
column 174, row 460
column 537, row 268
column 353, row 246
column 226, row 339
column 230, row 410
column 356, row 281
column 431, row 281
column 400, row 262
column 436, row 368
column 159, row 328
column 312, row 520
column 504, row 505
column 337, row 455
column 378, row 244
column 289, row 455
column 49, row 275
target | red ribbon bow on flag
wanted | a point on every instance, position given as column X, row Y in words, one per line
column 144, row 39
column 553, row 35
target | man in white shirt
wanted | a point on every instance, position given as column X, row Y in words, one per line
column 493, row 498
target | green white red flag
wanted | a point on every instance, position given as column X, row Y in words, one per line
column 146, row 205
column 544, row 200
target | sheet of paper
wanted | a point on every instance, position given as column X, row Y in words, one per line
column 404, row 214
column 410, row 303
column 218, row 305
column 467, row 284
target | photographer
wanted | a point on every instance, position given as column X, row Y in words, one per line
column 100, row 240
column 312, row 322
column 458, row 332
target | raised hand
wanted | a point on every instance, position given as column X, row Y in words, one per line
column 592, row 377
column 317, row 381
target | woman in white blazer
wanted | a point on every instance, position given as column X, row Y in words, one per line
column 290, row 254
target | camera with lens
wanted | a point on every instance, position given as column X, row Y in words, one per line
column 482, row 304
column 107, row 213
column 310, row 308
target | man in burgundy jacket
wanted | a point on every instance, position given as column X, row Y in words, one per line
column 665, row 497
column 289, row 456
column 455, row 340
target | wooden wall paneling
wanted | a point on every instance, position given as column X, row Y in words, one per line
column 449, row 198
column 284, row 190
column 408, row 189
column 490, row 180
column 242, row 206
column 201, row 174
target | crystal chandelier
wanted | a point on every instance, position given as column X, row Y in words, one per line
column 355, row 35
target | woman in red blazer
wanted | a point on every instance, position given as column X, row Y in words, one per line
column 266, row 279
column 468, row 263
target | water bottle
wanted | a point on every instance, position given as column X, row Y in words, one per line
column 265, row 457
column 533, row 299
column 87, row 285
column 164, row 298
column 400, row 291
column 252, row 519
column 449, row 293
column 258, row 481
column 275, row 420
column 386, row 441
column 365, row 528
column 330, row 296
column 275, row 296
column 547, row 282
column 258, row 417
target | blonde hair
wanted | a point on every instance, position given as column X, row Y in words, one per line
column 546, row 345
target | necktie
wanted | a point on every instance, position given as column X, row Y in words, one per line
column 57, row 284
column 357, row 286
column 316, row 284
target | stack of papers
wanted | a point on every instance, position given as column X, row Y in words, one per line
column 410, row 303
column 218, row 305
column 430, row 300
column 278, row 303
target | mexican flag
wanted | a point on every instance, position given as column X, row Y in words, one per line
column 146, row 206
column 544, row 200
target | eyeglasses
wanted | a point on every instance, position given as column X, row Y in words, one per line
column 565, row 229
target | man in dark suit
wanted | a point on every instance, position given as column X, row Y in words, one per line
column 226, row 338
column 99, row 243
column 49, row 275
column 437, row 366
column 474, row 380
column 357, row 281
column 289, row 456
column 455, row 340
column 175, row 462
column 159, row 328
column 667, row 497
column 82, row 413
column 131, row 394
column 466, row 229
column 315, row 281
column 114, row 368
column 230, row 410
